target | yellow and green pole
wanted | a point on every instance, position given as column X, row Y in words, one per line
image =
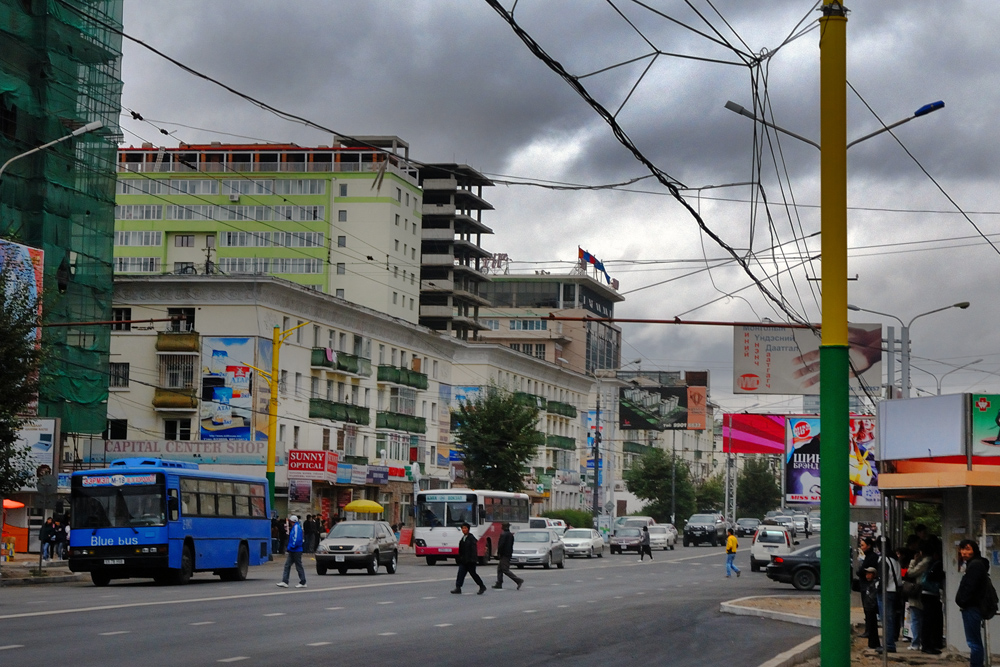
column 835, row 601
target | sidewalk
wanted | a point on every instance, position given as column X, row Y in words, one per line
column 804, row 610
column 22, row 572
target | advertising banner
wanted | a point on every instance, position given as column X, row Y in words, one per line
column 441, row 448
column 227, row 380
column 986, row 425
column 231, row 452
column 377, row 475
column 25, row 267
column 753, row 434
column 345, row 472
column 300, row 491
column 41, row 436
column 662, row 408
column 359, row 474
column 802, row 462
column 307, row 464
column 770, row 360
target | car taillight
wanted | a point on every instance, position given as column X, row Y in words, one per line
column 777, row 560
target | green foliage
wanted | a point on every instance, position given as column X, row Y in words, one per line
column 757, row 491
column 927, row 514
column 497, row 436
column 18, row 379
column 649, row 478
column 573, row 518
column 710, row 495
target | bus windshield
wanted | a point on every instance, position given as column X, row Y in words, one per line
column 118, row 507
column 435, row 514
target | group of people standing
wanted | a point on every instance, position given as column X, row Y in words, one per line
column 54, row 538
column 312, row 529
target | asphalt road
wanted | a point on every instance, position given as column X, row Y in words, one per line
column 593, row 612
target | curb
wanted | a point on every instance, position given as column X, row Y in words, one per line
column 733, row 607
column 796, row 655
column 34, row 581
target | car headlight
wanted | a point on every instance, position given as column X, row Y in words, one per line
column 362, row 548
column 322, row 549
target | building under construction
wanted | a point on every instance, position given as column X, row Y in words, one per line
column 60, row 70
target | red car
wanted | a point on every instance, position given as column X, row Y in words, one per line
column 626, row 539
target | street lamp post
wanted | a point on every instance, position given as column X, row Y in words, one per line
column 597, row 436
column 89, row 127
column 904, row 337
column 957, row 368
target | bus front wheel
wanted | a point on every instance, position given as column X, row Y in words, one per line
column 100, row 578
column 183, row 575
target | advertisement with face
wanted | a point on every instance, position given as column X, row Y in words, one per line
column 986, row 425
column 802, row 460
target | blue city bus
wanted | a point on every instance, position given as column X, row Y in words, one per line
column 166, row 520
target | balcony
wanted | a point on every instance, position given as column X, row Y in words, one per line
column 402, row 376
column 178, row 341
column 537, row 438
column 564, row 409
column 561, row 442
column 635, row 448
column 355, row 460
column 323, row 358
column 531, row 400
column 168, row 398
column 342, row 362
column 320, row 408
column 397, row 422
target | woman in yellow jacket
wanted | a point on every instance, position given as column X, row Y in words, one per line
column 731, row 555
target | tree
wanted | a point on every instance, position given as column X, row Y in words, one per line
column 757, row 491
column 649, row 478
column 496, row 433
column 21, row 354
column 711, row 495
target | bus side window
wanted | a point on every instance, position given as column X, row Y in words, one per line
column 482, row 515
column 172, row 504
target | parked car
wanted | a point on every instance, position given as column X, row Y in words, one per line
column 542, row 522
column 634, row 522
column 538, row 547
column 769, row 541
column 709, row 528
column 626, row 539
column 787, row 522
column 358, row 545
column 583, row 542
column 662, row 537
column 799, row 568
column 746, row 527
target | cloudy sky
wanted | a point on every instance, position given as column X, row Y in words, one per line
column 453, row 79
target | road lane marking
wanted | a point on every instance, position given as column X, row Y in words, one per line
column 219, row 598
column 429, row 597
column 488, row 618
column 563, row 606
column 640, row 593
column 386, row 602
column 114, row 632
column 319, row 644
column 530, row 611
column 10, row 646
column 443, row 625
column 386, row 634
column 333, row 608
column 234, row 659
column 203, row 623
column 277, row 613
column 618, row 597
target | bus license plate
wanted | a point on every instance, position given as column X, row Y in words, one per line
column 114, row 561
column 339, row 559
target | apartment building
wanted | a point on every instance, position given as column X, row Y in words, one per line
column 343, row 220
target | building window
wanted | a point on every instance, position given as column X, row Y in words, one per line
column 295, row 437
column 516, row 347
column 182, row 319
column 411, row 303
column 341, row 215
column 283, row 382
column 177, row 371
column 397, row 220
column 434, row 369
column 540, row 351
column 176, row 429
column 413, row 253
column 341, row 268
column 342, row 342
column 339, row 294
column 184, row 241
column 118, row 375
column 395, row 298
column 117, row 429
column 316, row 331
column 491, row 324
column 528, row 325
column 298, row 385
column 314, row 387
column 399, row 195
column 121, row 317
column 343, row 189
column 184, row 267
column 326, row 439
column 341, row 241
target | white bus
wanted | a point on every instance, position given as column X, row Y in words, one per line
column 441, row 513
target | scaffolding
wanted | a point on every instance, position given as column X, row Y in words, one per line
column 60, row 70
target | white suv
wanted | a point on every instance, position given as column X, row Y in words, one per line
column 769, row 541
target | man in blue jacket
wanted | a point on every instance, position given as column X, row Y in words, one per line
column 294, row 553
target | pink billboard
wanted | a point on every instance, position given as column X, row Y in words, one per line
column 753, row 434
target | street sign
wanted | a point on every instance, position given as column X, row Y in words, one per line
column 47, row 484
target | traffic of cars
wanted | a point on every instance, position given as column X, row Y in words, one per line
column 538, row 547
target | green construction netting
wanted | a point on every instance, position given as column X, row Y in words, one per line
column 60, row 69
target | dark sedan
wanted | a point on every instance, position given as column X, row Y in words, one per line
column 799, row 568
column 746, row 527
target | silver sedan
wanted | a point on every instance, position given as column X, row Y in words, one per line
column 583, row 542
column 538, row 547
column 662, row 537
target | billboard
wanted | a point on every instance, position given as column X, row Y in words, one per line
column 753, row 434
column 227, row 390
column 41, row 436
column 933, row 427
column 777, row 360
column 311, row 464
column 986, row 425
column 802, row 462
column 25, row 267
column 660, row 408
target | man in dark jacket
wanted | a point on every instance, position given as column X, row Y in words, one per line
column 969, row 595
column 468, row 556
column 505, row 549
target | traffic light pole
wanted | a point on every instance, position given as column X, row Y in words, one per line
column 597, row 457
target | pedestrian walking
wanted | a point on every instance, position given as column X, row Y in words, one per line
column 468, row 556
column 505, row 549
column 969, row 595
column 644, row 544
column 44, row 538
column 869, row 602
column 731, row 546
column 296, row 538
